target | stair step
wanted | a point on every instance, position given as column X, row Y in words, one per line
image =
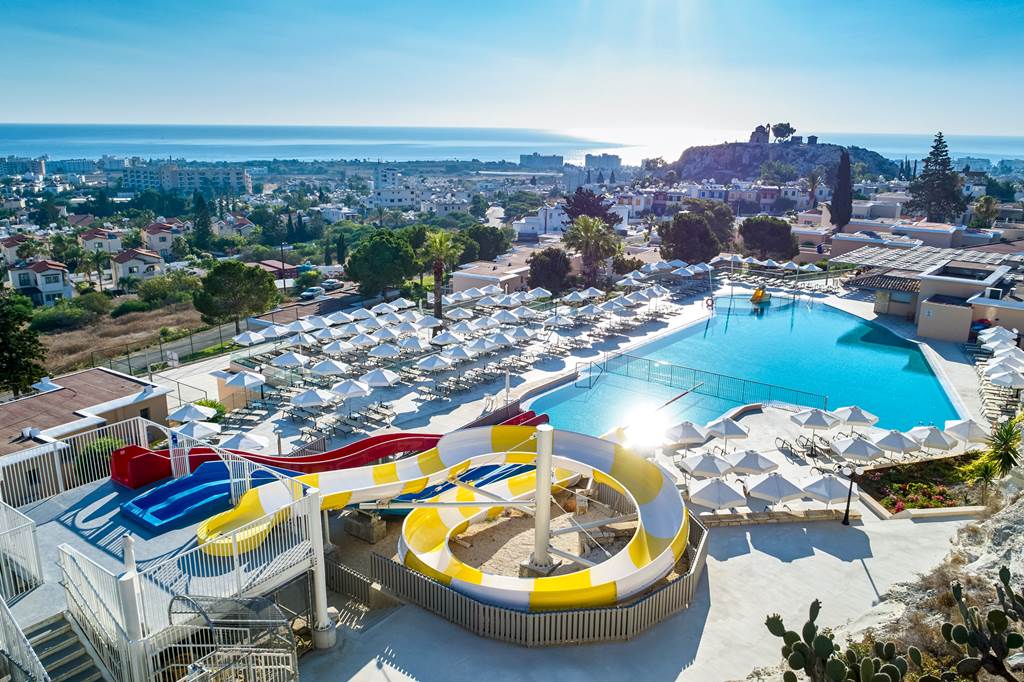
column 65, row 656
column 69, row 671
column 49, row 635
column 58, row 649
column 44, row 626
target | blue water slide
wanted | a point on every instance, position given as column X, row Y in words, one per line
column 478, row 476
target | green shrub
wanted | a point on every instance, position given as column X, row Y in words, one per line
column 61, row 317
column 132, row 306
column 93, row 301
column 215, row 404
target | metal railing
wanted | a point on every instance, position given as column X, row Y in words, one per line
column 250, row 568
column 547, row 628
column 348, row 581
column 93, row 601
column 252, row 665
column 41, row 472
column 24, row 663
column 702, row 382
column 20, row 567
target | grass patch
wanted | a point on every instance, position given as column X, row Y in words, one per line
column 219, row 349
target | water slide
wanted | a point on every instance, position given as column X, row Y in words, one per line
column 660, row 538
column 134, row 466
column 760, row 295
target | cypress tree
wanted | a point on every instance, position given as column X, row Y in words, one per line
column 842, row 194
column 202, row 226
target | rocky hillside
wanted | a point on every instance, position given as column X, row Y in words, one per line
column 742, row 160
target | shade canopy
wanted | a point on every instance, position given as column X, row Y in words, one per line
column 190, row 412
column 726, row 429
column 1011, row 379
column 326, row 368
column 402, row 303
column 459, row 353
column 290, row 360
column 897, row 442
column 855, row 416
column 245, row 379
column 705, row 465
column 248, row 338
column 446, row 338
column 524, row 313
column 360, row 314
column 380, row 378
column 320, row 322
column 540, row 292
column 350, row 388
column 300, row 325
column 302, row 339
column 314, row 397
column 686, row 433
column 327, row 334
column 750, row 462
column 336, row 347
column 413, row 343
column 815, row 419
column 932, row 438
column 244, row 441
column 857, row 448
column 433, row 363
column 197, row 430
column 363, row 341
column 997, row 333
column 428, row 322
column 967, row 430
column 274, row 331
column 384, row 350
column 575, row 297
column 716, row 493
column 458, row 314
column 773, row 487
column 557, row 321
column 385, row 334
column 382, row 308
column 340, row 317
column 827, row 488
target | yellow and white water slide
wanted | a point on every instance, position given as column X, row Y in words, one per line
column 659, row 541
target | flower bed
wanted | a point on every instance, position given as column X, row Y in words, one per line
column 934, row 484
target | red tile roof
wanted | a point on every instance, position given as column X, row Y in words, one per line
column 14, row 240
column 140, row 254
column 80, row 219
column 44, row 265
column 156, row 228
column 99, row 233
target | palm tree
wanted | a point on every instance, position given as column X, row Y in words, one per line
column 594, row 241
column 987, row 209
column 984, row 473
column 1003, row 446
column 99, row 258
column 813, row 180
column 441, row 250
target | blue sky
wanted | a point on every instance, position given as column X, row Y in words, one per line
column 869, row 66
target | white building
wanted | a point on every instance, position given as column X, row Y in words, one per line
column 138, row 263
column 549, row 219
column 44, row 281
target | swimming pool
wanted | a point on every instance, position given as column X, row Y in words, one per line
column 797, row 344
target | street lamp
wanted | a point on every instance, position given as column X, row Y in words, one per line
column 849, row 472
column 283, row 244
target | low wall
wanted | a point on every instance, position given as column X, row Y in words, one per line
column 777, row 516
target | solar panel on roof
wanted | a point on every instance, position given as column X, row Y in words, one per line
column 920, row 259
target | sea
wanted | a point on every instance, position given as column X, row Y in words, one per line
column 243, row 143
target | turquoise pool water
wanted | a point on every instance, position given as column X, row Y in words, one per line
column 807, row 346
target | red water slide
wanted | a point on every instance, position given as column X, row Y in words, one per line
column 134, row 466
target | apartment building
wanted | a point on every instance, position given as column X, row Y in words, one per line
column 171, row 178
column 43, row 281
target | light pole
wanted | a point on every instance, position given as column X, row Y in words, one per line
column 849, row 472
column 283, row 244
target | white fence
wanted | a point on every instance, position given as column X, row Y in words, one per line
column 229, row 665
column 287, row 551
column 38, row 473
column 20, row 567
column 21, row 657
column 94, row 603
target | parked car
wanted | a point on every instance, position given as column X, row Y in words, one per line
column 331, row 284
column 312, row 292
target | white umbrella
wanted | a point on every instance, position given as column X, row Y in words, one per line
column 774, row 488
column 683, row 272
column 336, row 347
column 487, row 301
column 463, row 327
column 446, row 338
column 501, row 339
column 413, row 343
column 461, row 297
column 382, row 308
column 302, row 339
column 246, row 379
column 750, row 462
column 314, row 397
column 896, row 442
column 385, row 334
column 540, row 292
column 360, row 314
column 197, row 430
column 458, row 354
column 433, row 363
column 815, row 419
column 677, row 263
column 473, row 292
column 244, row 441
column 319, row 322
column 339, row 317
column 932, row 438
column 557, row 321
column 1012, row 379
column 810, row 267
column 405, row 329
column 371, row 323
column 491, row 290
column 997, row 333
column 686, row 433
column 524, row 313
column 402, row 303
column 413, row 316
column 726, row 429
column 998, row 343
column 790, row 266
column 326, row 368
column 610, row 306
column 968, row 430
column 481, row 345
column 248, row 338
column 507, row 301
column 592, row 292
column 520, row 334
column 362, row 341
column 626, row 312
column 458, row 314
column 351, row 329
column 190, row 412
column 856, row 448
column 827, row 488
column 274, row 331
column 750, row 260
column 350, row 388
column 379, row 378
column 1003, row 365
column 486, row 322
column 769, row 263
column 574, row 297
column 428, row 322
column 290, row 360
column 855, row 416
column 390, row 318
column 505, row 317
column 327, row 334
column 589, row 310
column 716, row 493
column 705, row 465
column 384, row 350
column 300, row 325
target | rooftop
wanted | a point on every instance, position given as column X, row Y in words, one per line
column 919, row 259
column 80, row 393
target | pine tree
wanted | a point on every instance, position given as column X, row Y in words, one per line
column 21, row 353
column 936, row 193
column 340, row 248
column 842, row 193
column 290, row 229
column 202, row 227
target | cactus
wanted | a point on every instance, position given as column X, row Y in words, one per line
column 983, row 644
